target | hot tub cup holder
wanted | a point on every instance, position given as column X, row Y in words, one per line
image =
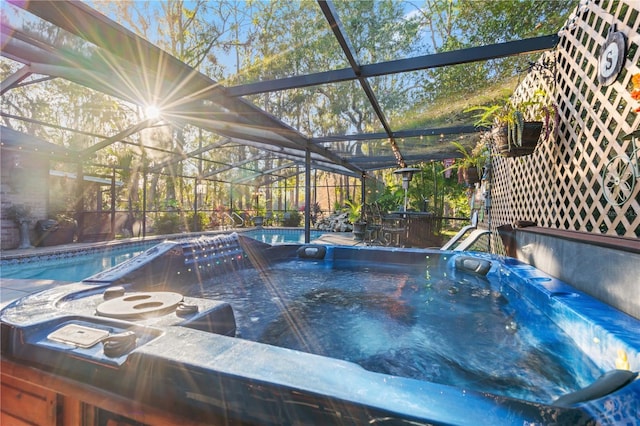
column 133, row 306
column 113, row 292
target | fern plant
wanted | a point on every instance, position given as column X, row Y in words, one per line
column 355, row 211
column 474, row 158
column 537, row 108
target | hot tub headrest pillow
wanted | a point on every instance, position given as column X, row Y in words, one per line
column 473, row 265
column 609, row 382
column 312, row 252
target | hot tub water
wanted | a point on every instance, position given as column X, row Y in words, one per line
column 456, row 329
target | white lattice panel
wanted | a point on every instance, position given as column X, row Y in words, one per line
column 560, row 185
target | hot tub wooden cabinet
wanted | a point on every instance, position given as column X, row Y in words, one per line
column 31, row 396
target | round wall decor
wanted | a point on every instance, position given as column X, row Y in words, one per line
column 612, row 57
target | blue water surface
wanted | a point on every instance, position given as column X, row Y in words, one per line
column 280, row 236
column 77, row 267
column 456, row 330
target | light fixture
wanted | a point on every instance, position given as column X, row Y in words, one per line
column 407, row 175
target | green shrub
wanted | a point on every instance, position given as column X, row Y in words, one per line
column 390, row 199
column 292, row 219
column 168, row 223
column 196, row 222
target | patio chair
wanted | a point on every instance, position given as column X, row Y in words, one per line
column 473, row 238
column 449, row 245
column 374, row 224
column 393, row 230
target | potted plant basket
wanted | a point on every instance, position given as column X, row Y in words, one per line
column 470, row 164
column 355, row 217
column 519, row 140
column 516, row 129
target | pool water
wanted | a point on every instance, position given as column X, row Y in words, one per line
column 73, row 268
column 454, row 330
column 280, row 236
column 77, row 267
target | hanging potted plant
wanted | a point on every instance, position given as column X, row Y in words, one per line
column 516, row 129
column 470, row 164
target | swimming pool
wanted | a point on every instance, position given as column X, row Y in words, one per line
column 240, row 343
column 280, row 235
column 76, row 265
column 71, row 265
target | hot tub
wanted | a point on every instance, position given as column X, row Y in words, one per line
column 229, row 328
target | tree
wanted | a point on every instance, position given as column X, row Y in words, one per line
column 238, row 42
column 449, row 25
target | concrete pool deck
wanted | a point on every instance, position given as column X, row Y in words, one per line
column 15, row 288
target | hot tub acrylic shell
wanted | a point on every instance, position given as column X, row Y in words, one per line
column 182, row 364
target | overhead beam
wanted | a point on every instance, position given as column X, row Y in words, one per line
column 266, row 172
column 185, row 155
column 298, row 156
column 118, row 137
column 341, row 35
column 400, row 134
column 51, row 61
column 436, row 60
column 231, row 166
column 15, row 78
column 278, row 146
column 90, row 134
column 81, row 20
column 388, row 161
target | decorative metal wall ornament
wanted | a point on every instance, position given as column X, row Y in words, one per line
column 612, row 56
column 621, row 173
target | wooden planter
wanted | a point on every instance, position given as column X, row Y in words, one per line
column 469, row 175
column 530, row 137
column 358, row 230
column 50, row 233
